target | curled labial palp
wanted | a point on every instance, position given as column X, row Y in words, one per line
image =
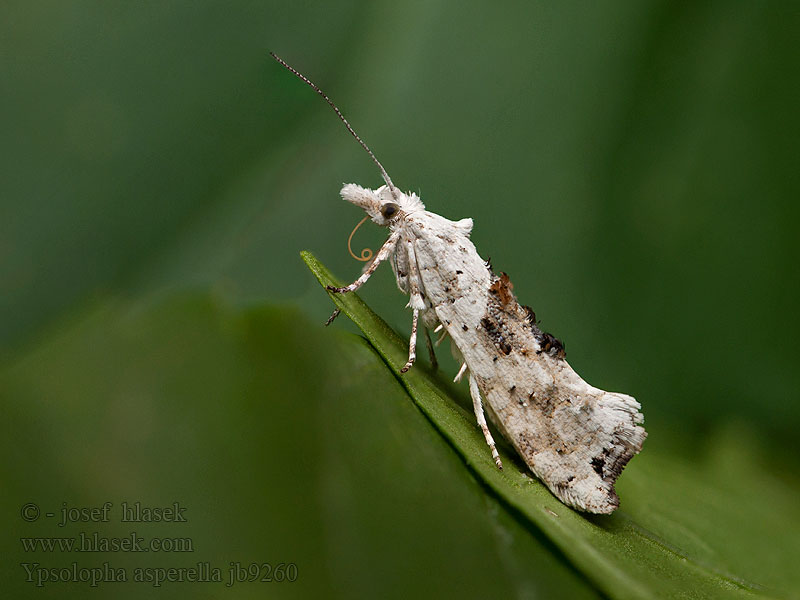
column 366, row 253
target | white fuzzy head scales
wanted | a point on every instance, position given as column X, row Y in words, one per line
column 381, row 205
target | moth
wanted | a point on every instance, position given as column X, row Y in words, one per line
column 574, row 437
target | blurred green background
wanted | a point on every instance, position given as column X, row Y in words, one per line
column 632, row 165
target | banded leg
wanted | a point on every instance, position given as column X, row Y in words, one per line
column 415, row 302
column 412, row 343
column 333, row 316
column 382, row 255
column 477, row 405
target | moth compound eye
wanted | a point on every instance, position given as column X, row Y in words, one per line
column 389, row 210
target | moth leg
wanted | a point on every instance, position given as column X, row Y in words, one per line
column 333, row 316
column 416, row 302
column 477, row 405
column 460, row 373
column 412, row 343
column 382, row 255
column 416, row 299
column 431, row 353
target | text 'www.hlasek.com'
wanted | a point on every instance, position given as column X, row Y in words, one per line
column 43, row 571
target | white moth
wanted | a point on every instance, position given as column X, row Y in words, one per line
column 576, row 438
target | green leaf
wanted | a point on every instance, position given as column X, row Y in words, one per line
column 283, row 441
column 684, row 530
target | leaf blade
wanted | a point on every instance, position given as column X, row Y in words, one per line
column 618, row 554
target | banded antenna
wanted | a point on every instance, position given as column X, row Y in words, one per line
column 385, row 175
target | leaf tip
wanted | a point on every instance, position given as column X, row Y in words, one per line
column 307, row 257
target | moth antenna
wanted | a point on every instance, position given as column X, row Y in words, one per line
column 314, row 86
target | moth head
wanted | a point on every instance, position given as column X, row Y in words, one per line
column 381, row 205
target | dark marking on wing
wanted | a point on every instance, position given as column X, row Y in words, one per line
column 502, row 289
column 607, row 466
column 544, row 402
column 550, row 344
column 496, row 336
column 529, row 315
column 503, row 309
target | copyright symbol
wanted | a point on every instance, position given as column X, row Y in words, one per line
column 29, row 512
